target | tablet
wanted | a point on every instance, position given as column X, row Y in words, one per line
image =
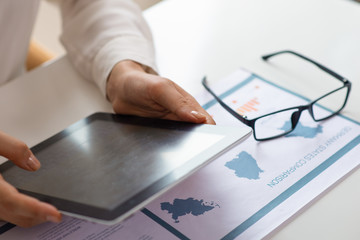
column 107, row 166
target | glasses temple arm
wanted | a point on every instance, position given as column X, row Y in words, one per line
column 224, row 105
column 337, row 76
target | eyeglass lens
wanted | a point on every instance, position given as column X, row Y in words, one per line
column 280, row 123
column 274, row 124
column 329, row 104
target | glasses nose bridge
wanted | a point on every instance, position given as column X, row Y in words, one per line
column 295, row 116
column 308, row 107
column 304, row 107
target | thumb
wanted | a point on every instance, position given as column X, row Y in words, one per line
column 18, row 152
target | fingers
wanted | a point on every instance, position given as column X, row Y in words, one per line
column 18, row 152
column 171, row 96
column 22, row 210
column 133, row 91
column 15, row 207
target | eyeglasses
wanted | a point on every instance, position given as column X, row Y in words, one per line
column 324, row 107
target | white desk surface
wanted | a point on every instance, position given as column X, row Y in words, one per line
column 214, row 37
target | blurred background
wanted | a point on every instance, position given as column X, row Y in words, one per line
column 48, row 25
column 45, row 44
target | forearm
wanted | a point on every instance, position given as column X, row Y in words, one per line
column 98, row 34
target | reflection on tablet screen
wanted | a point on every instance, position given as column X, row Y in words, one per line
column 101, row 164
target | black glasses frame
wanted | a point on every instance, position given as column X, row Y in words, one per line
column 299, row 109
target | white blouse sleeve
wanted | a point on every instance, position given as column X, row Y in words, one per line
column 99, row 33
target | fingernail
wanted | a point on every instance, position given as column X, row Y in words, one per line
column 33, row 163
column 52, row 219
column 198, row 115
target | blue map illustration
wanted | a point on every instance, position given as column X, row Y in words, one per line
column 302, row 131
column 182, row 207
column 245, row 166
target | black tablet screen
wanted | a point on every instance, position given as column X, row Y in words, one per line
column 104, row 163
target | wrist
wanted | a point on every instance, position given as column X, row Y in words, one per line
column 118, row 76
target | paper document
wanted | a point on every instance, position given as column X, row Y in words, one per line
column 139, row 227
column 251, row 189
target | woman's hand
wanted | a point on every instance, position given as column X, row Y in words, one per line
column 133, row 91
column 15, row 207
